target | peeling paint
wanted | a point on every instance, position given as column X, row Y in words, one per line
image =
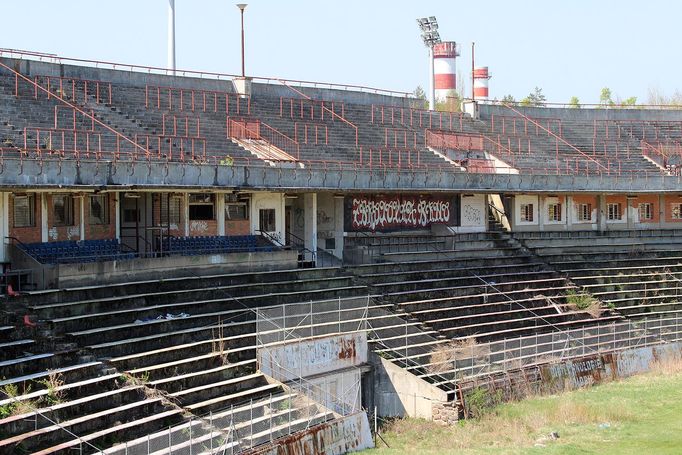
column 347, row 434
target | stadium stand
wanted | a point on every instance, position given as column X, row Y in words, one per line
column 446, row 229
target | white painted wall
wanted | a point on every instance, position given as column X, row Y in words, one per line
column 520, row 200
column 330, row 222
column 545, row 212
column 266, row 200
column 474, row 214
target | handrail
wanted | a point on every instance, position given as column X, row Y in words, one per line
column 170, row 72
column 256, row 134
column 90, row 116
column 551, row 133
column 334, row 114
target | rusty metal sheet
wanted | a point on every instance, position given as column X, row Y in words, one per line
column 347, row 434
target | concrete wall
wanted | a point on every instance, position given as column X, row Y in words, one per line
column 268, row 200
column 583, row 114
column 398, row 393
column 330, row 223
column 474, row 213
column 662, row 207
column 309, row 357
column 72, row 275
column 340, row 436
column 606, row 367
column 142, row 78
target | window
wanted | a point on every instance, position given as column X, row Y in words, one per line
column 676, row 211
column 554, row 212
column 527, row 212
column 62, row 209
column 170, row 210
column 266, row 222
column 99, row 209
column 236, row 209
column 613, row 211
column 201, row 207
column 584, row 212
column 24, row 210
column 646, row 211
column 235, row 212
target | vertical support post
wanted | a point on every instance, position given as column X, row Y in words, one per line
column 171, row 35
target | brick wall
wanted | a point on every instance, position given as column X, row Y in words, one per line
column 176, row 229
column 60, row 233
column 101, row 231
column 240, row 227
column 26, row 234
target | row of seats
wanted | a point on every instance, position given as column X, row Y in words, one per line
column 189, row 246
column 73, row 251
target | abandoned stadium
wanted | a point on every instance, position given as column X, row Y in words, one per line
column 199, row 264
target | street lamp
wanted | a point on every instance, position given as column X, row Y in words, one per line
column 430, row 36
column 242, row 7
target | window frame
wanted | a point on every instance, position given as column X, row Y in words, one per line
column 612, row 209
column 554, row 212
column 646, row 207
column 196, row 203
column 31, row 207
column 103, row 220
column 271, row 213
column 676, row 211
column 68, row 219
column 527, row 213
column 584, row 212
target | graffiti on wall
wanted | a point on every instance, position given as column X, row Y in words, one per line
column 367, row 213
column 472, row 215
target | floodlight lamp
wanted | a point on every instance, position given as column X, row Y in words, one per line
column 241, row 6
column 433, row 19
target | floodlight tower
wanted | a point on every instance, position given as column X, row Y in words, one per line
column 430, row 36
column 171, row 35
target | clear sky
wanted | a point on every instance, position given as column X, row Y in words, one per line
column 568, row 48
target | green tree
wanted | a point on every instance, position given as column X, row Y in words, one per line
column 605, row 97
column 535, row 98
column 420, row 95
column 632, row 101
column 574, row 102
column 452, row 103
column 509, row 99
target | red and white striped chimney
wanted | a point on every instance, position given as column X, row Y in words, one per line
column 445, row 79
column 481, row 77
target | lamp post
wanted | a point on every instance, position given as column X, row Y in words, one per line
column 171, row 35
column 430, row 36
column 242, row 7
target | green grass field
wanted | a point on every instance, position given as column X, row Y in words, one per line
column 640, row 415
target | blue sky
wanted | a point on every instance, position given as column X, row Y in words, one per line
column 568, row 48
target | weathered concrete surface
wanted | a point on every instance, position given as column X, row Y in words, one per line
column 347, row 434
column 86, row 274
column 310, row 357
column 399, row 393
column 605, row 367
column 144, row 175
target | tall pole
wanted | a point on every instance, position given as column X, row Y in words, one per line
column 171, row 35
column 432, row 87
column 473, row 79
column 242, row 7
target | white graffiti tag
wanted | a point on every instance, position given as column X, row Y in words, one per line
column 408, row 212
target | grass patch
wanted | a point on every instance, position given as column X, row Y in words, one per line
column 583, row 302
column 639, row 415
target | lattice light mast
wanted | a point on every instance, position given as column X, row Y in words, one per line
column 430, row 36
